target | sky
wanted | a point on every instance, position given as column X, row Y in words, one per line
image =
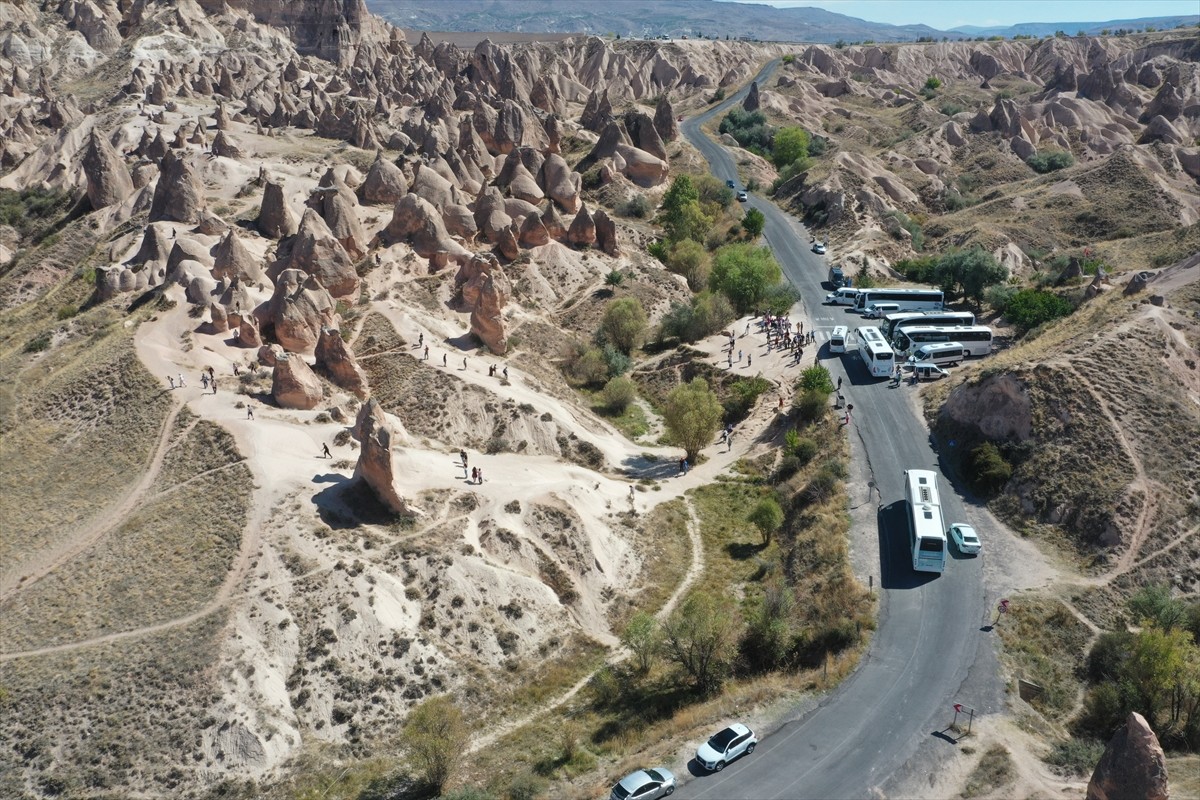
column 946, row 14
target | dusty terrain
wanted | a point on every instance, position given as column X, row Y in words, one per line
column 195, row 598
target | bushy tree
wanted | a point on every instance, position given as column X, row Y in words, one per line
column 624, row 324
column 971, row 272
column 769, row 627
column 780, row 298
column 988, row 471
column 767, row 516
column 1050, row 160
column 692, row 415
column 706, row 314
column 689, row 259
column 618, row 393
column 811, row 405
column 682, row 217
column 1154, row 604
column 753, row 222
column 744, row 273
column 643, row 638
column 790, row 145
column 436, row 737
column 701, row 636
column 1030, row 308
column 817, row 379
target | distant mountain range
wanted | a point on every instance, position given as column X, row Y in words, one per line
column 1071, row 28
column 694, row 18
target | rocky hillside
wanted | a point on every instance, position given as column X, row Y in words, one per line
column 946, row 136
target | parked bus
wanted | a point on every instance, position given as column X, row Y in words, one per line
column 876, row 353
column 837, row 339
column 926, row 533
column 907, row 299
column 977, row 339
column 911, row 319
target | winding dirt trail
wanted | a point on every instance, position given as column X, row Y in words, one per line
column 12, row 584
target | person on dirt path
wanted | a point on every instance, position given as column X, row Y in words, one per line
column 464, row 363
column 749, row 359
column 426, row 358
column 237, row 371
column 213, row 381
column 420, row 339
column 682, row 466
column 474, row 474
column 171, row 381
column 479, row 476
column 463, row 455
column 839, row 383
column 325, row 451
column 211, row 373
column 729, row 360
column 506, row 373
column 181, row 381
column 204, row 380
column 249, row 412
column 443, row 359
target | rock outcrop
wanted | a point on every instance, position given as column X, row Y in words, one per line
column 108, row 181
column 485, row 291
column 179, row 195
column 315, row 251
column 1133, row 765
column 232, row 261
column 582, row 232
column 417, row 222
column 275, row 218
column 385, row 183
column 296, row 312
column 375, row 456
column 336, row 362
column 294, row 384
column 606, row 233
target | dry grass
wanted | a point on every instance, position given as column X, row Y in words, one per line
column 1046, row 644
column 69, row 408
column 666, row 552
column 994, row 771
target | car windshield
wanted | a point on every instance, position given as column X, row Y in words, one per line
column 722, row 740
column 628, row 786
column 656, row 775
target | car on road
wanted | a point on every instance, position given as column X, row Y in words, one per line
column 819, row 248
column 742, row 196
column 965, row 538
column 645, row 784
column 731, row 184
column 725, row 746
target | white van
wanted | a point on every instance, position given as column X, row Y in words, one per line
column 845, row 296
column 837, row 339
column 880, row 310
column 938, row 353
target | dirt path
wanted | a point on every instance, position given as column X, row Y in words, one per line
column 618, row 654
column 51, row 559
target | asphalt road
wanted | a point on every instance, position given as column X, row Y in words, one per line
column 878, row 730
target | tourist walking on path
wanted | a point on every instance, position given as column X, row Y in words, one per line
column 182, row 383
column 171, row 381
column 325, row 451
column 249, row 412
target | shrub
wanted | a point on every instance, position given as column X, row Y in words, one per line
column 932, row 83
column 749, row 128
column 950, row 109
column 804, row 449
column 1108, row 655
column 707, row 313
column 788, row 466
column 624, row 323
column 436, row 737
column 988, row 471
column 1030, row 308
column 37, row 344
column 999, row 296
column 753, row 222
column 618, row 363
column 637, row 206
column 614, row 278
column 780, row 298
column 767, row 516
column 743, row 395
column 659, row 249
column 953, row 201
column 689, row 259
column 618, row 393
column 817, row 379
column 586, row 365
column 1050, row 160
column 811, row 405
column 1076, row 757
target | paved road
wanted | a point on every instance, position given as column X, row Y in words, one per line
column 876, row 732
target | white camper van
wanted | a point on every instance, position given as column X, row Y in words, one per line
column 938, row 354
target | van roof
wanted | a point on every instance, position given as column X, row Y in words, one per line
column 941, row 346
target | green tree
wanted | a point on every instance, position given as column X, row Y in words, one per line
column 1029, row 308
column 753, row 222
column 988, row 471
column 790, row 145
column 643, row 638
column 618, row 393
column 971, row 272
column 689, row 259
column 932, row 83
column 769, row 626
column 682, row 217
column 624, row 323
column 700, row 636
column 817, row 379
column 707, row 313
column 1154, row 605
column 436, row 737
column 1159, row 666
column 744, row 273
column 767, row 516
column 692, row 415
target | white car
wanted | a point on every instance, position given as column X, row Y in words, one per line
column 725, row 746
column 965, row 538
column 645, row 784
column 819, row 248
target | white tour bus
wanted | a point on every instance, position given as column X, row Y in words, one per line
column 876, row 353
column 977, row 339
column 837, row 339
column 926, row 533
column 907, row 299
column 912, row 319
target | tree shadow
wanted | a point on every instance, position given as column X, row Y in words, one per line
column 740, row 551
column 653, row 469
column 350, row 503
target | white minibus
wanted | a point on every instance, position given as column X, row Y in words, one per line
column 837, row 339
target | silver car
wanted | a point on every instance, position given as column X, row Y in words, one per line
column 645, row 784
column 965, row 539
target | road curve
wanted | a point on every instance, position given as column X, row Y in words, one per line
column 877, row 731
